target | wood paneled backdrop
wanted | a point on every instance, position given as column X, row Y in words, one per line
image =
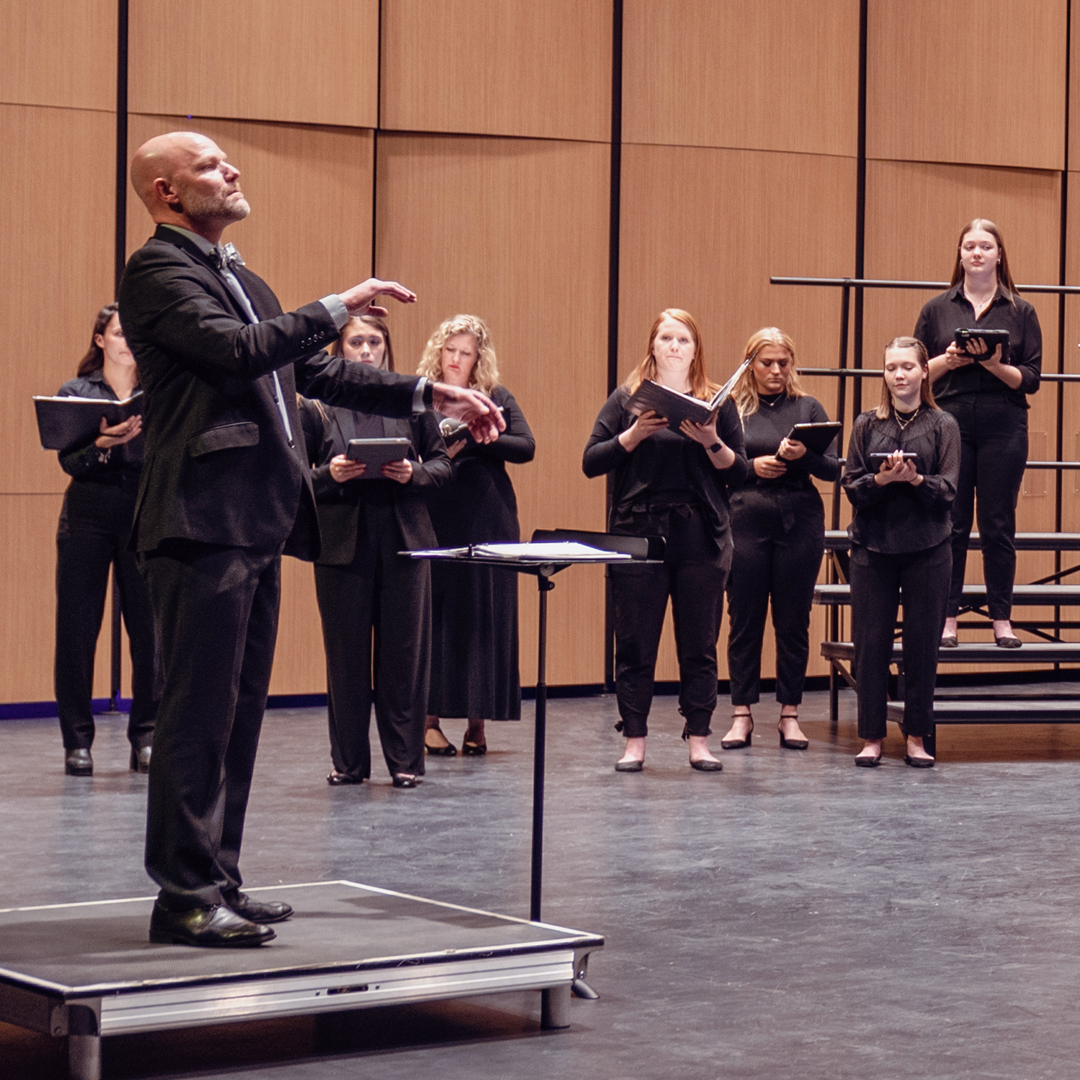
column 462, row 146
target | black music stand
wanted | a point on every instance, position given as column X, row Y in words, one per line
column 640, row 549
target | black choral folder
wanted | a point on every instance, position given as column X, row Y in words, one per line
column 67, row 422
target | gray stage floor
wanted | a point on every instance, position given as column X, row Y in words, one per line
column 791, row 917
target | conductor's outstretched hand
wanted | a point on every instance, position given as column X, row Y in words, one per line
column 476, row 409
column 358, row 299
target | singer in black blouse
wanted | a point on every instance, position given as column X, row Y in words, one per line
column 902, row 467
column 778, row 526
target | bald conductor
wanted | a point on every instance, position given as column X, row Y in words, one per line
column 224, row 491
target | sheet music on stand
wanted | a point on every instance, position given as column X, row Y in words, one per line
column 555, row 551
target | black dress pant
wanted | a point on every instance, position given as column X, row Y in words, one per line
column 993, row 456
column 877, row 583
column 217, row 614
column 693, row 574
column 386, row 595
column 93, row 536
column 779, row 538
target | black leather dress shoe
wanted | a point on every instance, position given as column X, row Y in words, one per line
column 140, row 759
column 256, row 911
column 212, row 928
column 406, row 780
column 78, row 762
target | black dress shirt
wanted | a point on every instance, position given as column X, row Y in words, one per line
column 941, row 317
column 899, row 517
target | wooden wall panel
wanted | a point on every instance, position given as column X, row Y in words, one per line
column 1070, row 503
column 59, row 52
column 57, row 224
column 777, row 76
column 516, row 231
column 498, row 67
column 309, row 234
column 257, row 60
column 968, row 81
column 703, row 229
column 28, row 596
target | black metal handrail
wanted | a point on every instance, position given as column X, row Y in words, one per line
column 882, row 283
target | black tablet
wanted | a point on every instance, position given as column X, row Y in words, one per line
column 817, row 437
column 991, row 338
column 375, row 453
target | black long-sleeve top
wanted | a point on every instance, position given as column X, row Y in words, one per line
column 86, row 462
column 666, row 462
column 900, row 517
column 765, row 429
column 942, row 316
column 479, row 505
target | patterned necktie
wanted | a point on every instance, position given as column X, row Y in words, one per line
column 226, row 256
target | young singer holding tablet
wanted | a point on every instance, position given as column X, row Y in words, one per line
column 902, row 463
column 987, row 393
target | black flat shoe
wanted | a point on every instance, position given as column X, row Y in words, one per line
column 629, row 766
column 140, row 759
column 339, row 779
column 256, row 911
column 78, row 763
column 1008, row 642
column 868, row 762
column 706, row 765
column 950, row 641
column 473, row 749
column 790, row 744
column 210, row 928
column 919, row 762
column 406, row 780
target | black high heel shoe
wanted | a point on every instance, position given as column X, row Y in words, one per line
column 785, row 742
column 139, row 761
column 739, row 744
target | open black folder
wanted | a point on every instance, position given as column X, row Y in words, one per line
column 67, row 422
column 676, row 407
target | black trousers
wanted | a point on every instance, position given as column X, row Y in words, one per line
column 388, row 596
column 217, row 614
column 877, row 583
column 993, row 456
column 94, row 530
column 779, row 540
column 693, row 574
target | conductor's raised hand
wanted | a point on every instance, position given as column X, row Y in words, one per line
column 476, row 409
column 118, row 434
column 645, row 426
column 358, row 299
column 342, row 469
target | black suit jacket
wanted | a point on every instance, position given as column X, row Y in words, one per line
column 218, row 465
column 341, row 520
